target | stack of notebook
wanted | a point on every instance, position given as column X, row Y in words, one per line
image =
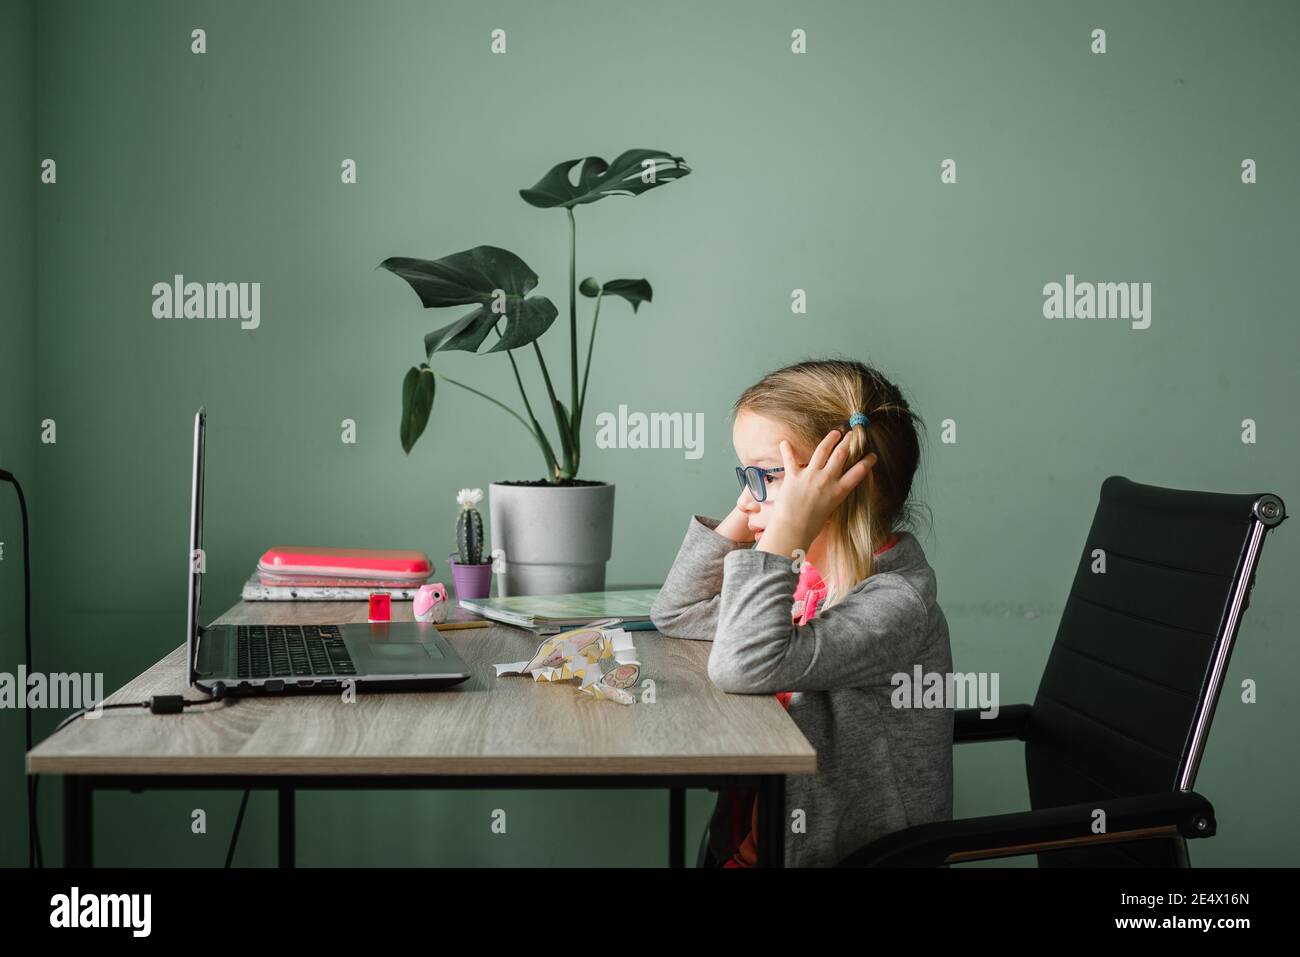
column 294, row 573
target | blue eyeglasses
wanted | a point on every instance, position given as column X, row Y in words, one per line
column 754, row 478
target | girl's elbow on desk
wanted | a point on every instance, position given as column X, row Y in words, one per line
column 729, row 673
column 678, row 625
column 732, row 680
column 728, row 679
column 663, row 617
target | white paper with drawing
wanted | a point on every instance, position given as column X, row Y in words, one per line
column 602, row 659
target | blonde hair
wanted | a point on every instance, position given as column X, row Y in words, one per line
column 811, row 398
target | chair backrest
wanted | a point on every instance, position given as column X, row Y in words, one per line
column 1130, row 687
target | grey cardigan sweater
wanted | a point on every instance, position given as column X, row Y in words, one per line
column 879, row 768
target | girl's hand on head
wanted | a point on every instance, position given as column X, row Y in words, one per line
column 810, row 494
column 736, row 526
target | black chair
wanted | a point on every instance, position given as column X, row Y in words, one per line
column 1125, row 703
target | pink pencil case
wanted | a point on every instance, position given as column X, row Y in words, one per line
column 292, row 561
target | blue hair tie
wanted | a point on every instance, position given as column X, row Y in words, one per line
column 858, row 418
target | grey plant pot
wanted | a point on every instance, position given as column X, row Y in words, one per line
column 553, row 539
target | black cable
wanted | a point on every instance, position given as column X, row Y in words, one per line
column 239, row 822
column 32, row 840
column 35, row 779
column 158, row 704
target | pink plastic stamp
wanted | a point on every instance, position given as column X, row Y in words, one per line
column 381, row 606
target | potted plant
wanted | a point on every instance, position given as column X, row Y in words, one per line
column 472, row 575
column 553, row 534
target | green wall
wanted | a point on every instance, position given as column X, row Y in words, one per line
column 818, row 172
column 17, row 375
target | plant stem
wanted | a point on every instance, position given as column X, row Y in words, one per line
column 566, row 434
column 573, row 307
column 484, row 395
column 546, row 375
column 586, row 372
column 538, row 434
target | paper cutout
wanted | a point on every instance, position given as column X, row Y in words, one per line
column 607, row 692
column 602, row 659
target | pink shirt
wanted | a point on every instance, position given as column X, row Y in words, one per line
column 809, row 594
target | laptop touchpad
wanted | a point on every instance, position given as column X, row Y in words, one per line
column 402, row 651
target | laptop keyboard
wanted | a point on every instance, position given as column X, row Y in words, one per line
column 292, row 651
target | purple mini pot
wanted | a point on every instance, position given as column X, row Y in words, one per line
column 471, row 581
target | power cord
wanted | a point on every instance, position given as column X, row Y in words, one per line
column 33, row 842
column 239, row 823
column 157, row 704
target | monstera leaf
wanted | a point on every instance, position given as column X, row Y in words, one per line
column 417, row 402
column 496, row 280
column 635, row 291
column 598, row 179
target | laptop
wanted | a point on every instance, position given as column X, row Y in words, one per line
column 304, row 659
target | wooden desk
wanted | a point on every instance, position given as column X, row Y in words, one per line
column 487, row 732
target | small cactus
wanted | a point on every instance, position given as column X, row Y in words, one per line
column 469, row 527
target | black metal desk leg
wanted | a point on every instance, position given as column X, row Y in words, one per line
column 771, row 821
column 287, row 827
column 676, row 827
column 78, row 822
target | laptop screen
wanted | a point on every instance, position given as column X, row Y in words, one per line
column 196, row 559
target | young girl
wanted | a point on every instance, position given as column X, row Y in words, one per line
column 814, row 589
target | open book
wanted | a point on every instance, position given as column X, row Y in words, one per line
column 551, row 613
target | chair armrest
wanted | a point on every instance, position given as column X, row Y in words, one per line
column 1142, row 817
column 1011, row 722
